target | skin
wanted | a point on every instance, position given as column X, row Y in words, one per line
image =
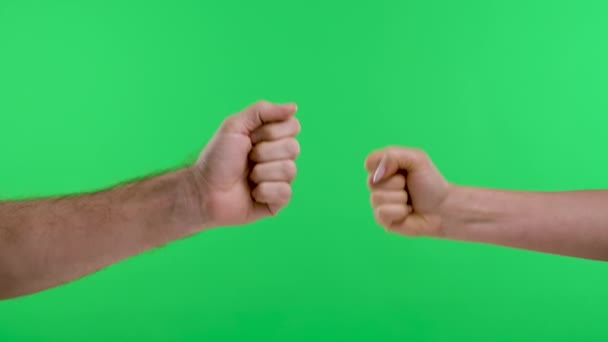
column 409, row 196
column 243, row 175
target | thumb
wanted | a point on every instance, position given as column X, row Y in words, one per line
column 257, row 115
column 397, row 159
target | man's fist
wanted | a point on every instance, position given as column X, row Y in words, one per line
column 407, row 191
column 245, row 172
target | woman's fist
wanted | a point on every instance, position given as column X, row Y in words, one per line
column 407, row 191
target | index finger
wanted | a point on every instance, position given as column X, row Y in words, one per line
column 373, row 159
column 257, row 115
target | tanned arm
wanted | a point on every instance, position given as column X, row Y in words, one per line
column 46, row 242
column 243, row 174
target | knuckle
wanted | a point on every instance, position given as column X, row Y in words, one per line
column 285, row 193
column 297, row 127
column 289, row 169
column 229, row 122
column 260, row 104
column 375, row 198
column 381, row 214
column 293, row 148
column 393, row 149
column 377, row 215
column 420, row 156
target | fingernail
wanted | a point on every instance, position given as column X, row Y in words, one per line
column 380, row 170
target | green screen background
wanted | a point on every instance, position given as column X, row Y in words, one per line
column 507, row 94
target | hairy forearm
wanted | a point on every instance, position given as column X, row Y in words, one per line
column 569, row 223
column 47, row 242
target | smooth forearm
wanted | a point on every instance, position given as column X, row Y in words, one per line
column 568, row 223
column 47, row 242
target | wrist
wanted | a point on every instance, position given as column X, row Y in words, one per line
column 470, row 213
column 191, row 198
column 455, row 211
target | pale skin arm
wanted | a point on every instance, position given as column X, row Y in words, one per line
column 573, row 223
column 243, row 174
column 411, row 197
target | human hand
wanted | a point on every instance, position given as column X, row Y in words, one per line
column 407, row 191
column 246, row 170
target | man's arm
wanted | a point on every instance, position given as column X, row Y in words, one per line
column 571, row 223
column 410, row 196
column 243, row 174
column 46, row 242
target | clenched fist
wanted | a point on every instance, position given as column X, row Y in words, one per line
column 407, row 191
column 245, row 172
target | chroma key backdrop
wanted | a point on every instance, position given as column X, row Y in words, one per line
column 503, row 94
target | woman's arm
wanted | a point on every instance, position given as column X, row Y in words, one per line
column 410, row 196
